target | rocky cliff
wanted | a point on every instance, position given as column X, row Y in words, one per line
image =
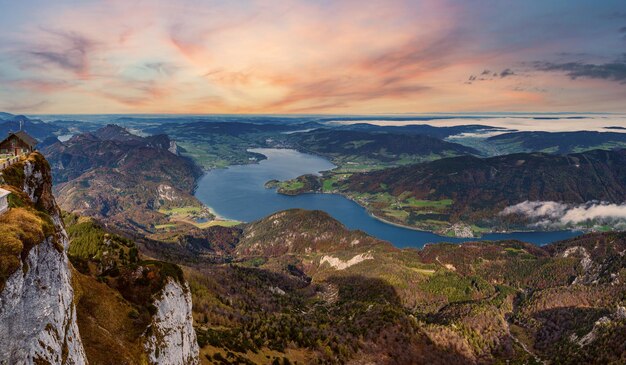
column 171, row 339
column 126, row 311
column 37, row 312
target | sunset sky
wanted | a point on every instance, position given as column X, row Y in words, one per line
column 313, row 56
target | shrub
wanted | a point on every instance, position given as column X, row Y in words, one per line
column 20, row 230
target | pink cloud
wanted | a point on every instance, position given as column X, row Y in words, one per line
column 277, row 56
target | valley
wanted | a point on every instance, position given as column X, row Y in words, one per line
column 239, row 193
column 299, row 284
column 360, row 149
column 271, row 273
column 383, row 182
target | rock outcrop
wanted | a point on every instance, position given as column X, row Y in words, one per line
column 37, row 312
column 171, row 339
column 40, row 316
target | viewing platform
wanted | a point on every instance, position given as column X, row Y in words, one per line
column 6, row 161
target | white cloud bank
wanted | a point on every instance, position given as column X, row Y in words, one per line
column 547, row 213
column 522, row 123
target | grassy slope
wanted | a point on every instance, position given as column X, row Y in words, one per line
column 114, row 291
column 472, row 191
column 359, row 151
column 405, row 209
column 285, row 296
column 25, row 224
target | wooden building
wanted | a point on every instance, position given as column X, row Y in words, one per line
column 17, row 143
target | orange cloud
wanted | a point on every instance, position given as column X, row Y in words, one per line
column 297, row 56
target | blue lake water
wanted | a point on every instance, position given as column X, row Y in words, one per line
column 238, row 193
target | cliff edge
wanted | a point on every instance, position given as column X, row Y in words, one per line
column 37, row 311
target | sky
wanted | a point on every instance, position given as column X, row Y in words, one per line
column 312, row 56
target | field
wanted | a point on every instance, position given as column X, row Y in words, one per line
column 431, row 215
column 292, row 185
column 356, row 163
column 217, row 155
column 405, row 209
column 199, row 217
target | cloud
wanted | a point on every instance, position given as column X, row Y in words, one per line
column 613, row 71
column 273, row 56
column 162, row 68
column 417, row 54
column 537, row 209
column 24, row 107
column 483, row 133
column 618, row 15
column 42, row 85
column 339, row 92
column 550, row 213
column 506, row 72
column 67, row 50
column 487, row 75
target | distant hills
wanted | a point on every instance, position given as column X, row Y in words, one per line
column 297, row 285
column 474, row 191
column 423, row 129
column 558, row 142
column 36, row 128
column 369, row 149
column 480, row 188
column 359, row 299
column 122, row 178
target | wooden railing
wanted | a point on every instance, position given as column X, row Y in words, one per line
column 4, row 163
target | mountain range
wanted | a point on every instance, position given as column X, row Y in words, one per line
column 122, row 178
column 129, row 268
column 301, row 284
column 295, row 287
column 557, row 142
column 352, row 149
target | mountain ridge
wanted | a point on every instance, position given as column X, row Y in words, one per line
column 143, row 171
column 59, row 315
column 476, row 191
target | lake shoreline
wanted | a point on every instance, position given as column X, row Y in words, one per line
column 239, row 193
column 371, row 214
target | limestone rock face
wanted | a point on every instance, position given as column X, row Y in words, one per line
column 38, row 317
column 171, row 339
column 37, row 312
